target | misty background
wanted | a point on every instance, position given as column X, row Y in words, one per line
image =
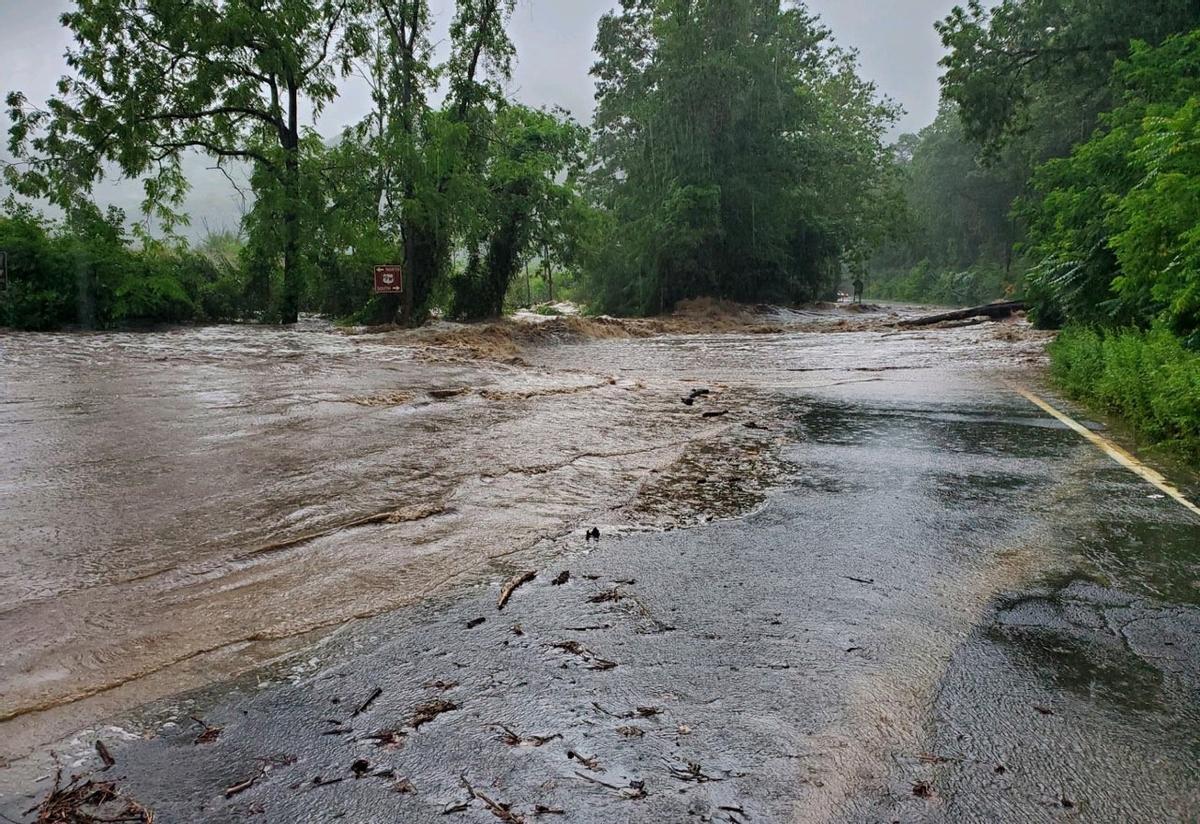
column 894, row 41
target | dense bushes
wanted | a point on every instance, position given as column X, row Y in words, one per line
column 85, row 273
column 1114, row 224
column 1148, row 378
column 1113, row 227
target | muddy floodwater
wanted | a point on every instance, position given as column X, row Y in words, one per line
column 845, row 573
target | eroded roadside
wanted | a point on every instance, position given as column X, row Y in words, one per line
column 815, row 660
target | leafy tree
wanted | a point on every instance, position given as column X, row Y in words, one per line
column 1158, row 240
column 1113, row 224
column 738, row 154
column 227, row 78
column 427, row 164
column 1039, row 69
column 1027, row 80
column 530, row 181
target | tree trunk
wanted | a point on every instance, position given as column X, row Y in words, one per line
column 289, row 303
column 405, row 317
column 995, row 311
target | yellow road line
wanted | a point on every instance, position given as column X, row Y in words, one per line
column 1113, row 451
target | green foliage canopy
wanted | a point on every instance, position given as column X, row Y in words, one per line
column 530, row 177
column 152, row 80
column 1037, row 70
column 738, row 154
column 1114, row 225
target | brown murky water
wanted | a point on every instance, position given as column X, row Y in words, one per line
column 183, row 505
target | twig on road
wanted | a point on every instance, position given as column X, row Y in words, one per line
column 366, row 705
column 511, row 587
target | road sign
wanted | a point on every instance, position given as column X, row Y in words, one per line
column 389, row 280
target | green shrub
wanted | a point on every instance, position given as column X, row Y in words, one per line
column 1113, row 226
column 1148, row 378
column 85, row 272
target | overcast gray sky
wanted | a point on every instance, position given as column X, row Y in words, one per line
column 895, row 39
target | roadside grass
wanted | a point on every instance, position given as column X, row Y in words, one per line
column 1147, row 378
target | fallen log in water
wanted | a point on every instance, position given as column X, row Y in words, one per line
column 994, row 311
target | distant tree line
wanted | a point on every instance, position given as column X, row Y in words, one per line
column 735, row 153
column 462, row 193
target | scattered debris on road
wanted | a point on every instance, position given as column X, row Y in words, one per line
column 633, row 792
column 514, row 739
column 516, row 581
column 366, row 705
column 208, row 734
column 606, row 596
column 84, row 801
column 431, row 710
column 503, row 812
column 265, row 766
column 593, row 661
column 105, row 755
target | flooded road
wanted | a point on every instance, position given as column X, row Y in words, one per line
column 182, row 505
column 902, row 593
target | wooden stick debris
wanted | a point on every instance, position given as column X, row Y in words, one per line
column 366, row 705
column 503, row 812
column 512, row 585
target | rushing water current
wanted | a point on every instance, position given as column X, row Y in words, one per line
column 180, row 505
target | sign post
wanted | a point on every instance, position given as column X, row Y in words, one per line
column 389, row 280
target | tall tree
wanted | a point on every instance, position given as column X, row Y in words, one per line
column 430, row 161
column 738, row 153
column 529, row 181
column 153, row 80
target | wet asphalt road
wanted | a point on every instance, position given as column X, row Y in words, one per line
column 950, row 609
